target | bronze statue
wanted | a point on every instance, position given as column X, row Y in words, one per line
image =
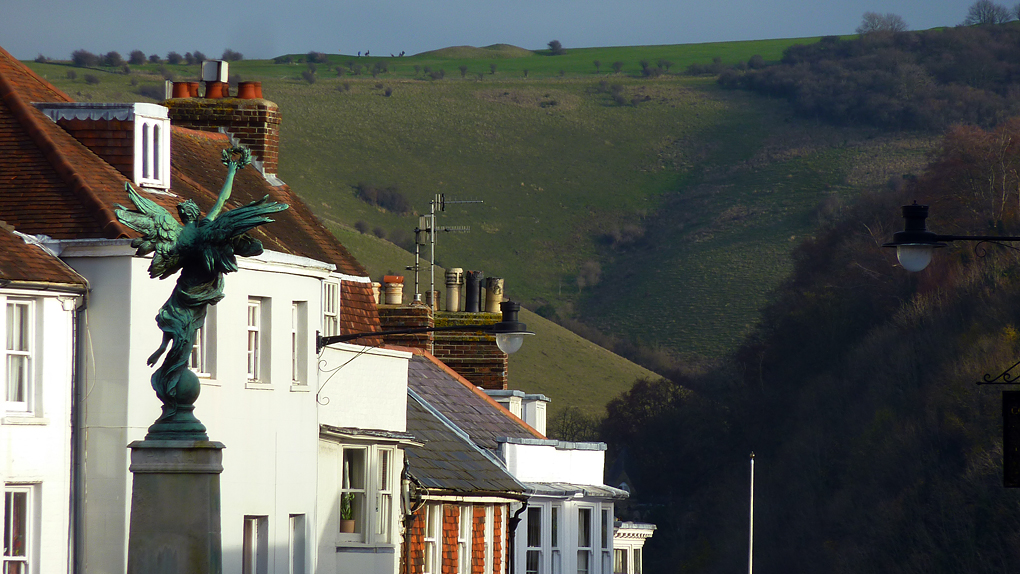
column 202, row 249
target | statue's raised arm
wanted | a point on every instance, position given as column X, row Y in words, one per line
column 202, row 249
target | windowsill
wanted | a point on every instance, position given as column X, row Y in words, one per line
column 361, row 547
column 299, row 388
column 25, row 419
column 258, row 385
column 209, row 380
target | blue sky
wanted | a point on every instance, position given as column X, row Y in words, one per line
column 263, row 28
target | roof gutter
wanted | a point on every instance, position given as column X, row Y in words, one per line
column 77, row 289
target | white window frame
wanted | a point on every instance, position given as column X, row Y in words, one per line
column 533, row 535
column 585, row 543
column 606, row 537
column 151, row 151
column 255, row 545
column 373, row 499
column 254, row 326
column 432, row 539
column 330, row 308
column 298, row 544
column 464, row 528
column 555, row 538
column 489, row 538
column 26, row 559
column 299, row 343
column 259, row 342
column 27, row 355
column 203, row 352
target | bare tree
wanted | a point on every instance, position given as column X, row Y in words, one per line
column 556, row 49
column 987, row 12
column 598, row 65
column 874, row 22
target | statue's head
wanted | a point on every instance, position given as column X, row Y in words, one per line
column 189, row 211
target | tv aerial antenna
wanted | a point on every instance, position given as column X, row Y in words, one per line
column 425, row 234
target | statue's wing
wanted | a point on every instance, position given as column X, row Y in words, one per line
column 159, row 232
column 228, row 233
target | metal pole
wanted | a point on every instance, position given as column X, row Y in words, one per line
column 750, row 546
column 432, row 258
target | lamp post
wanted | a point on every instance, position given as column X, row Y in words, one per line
column 914, row 248
column 509, row 332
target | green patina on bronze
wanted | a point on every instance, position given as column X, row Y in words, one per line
column 203, row 249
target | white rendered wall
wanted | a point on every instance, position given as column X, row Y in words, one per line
column 36, row 449
column 363, row 387
column 546, row 463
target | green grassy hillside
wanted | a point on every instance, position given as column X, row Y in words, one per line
column 661, row 210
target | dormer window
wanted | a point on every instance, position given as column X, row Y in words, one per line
column 134, row 138
column 152, row 147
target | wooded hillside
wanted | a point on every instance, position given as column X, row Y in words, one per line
column 875, row 449
column 902, row 80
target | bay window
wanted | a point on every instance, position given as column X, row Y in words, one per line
column 367, row 484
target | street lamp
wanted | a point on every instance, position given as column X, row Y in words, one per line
column 915, row 244
column 509, row 332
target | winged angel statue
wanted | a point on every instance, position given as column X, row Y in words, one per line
column 203, row 249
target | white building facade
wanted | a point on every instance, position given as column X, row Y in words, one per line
column 37, row 327
column 568, row 524
column 265, row 394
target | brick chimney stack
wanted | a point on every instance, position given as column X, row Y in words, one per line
column 253, row 123
column 473, row 356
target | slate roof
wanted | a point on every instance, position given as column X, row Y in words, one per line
column 449, row 461
column 26, row 264
column 51, row 184
column 464, row 404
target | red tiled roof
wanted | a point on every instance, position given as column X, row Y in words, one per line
column 51, row 184
column 24, row 263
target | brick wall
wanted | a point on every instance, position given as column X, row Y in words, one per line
column 407, row 317
column 451, row 523
column 414, row 546
column 112, row 140
column 497, row 540
column 473, row 355
column 478, row 540
column 254, row 123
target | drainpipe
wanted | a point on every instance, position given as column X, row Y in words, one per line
column 77, row 486
column 514, row 521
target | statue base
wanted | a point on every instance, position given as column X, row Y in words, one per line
column 175, row 507
column 180, row 423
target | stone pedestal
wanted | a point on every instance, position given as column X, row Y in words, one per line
column 175, row 507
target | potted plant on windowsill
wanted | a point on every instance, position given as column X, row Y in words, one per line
column 347, row 512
